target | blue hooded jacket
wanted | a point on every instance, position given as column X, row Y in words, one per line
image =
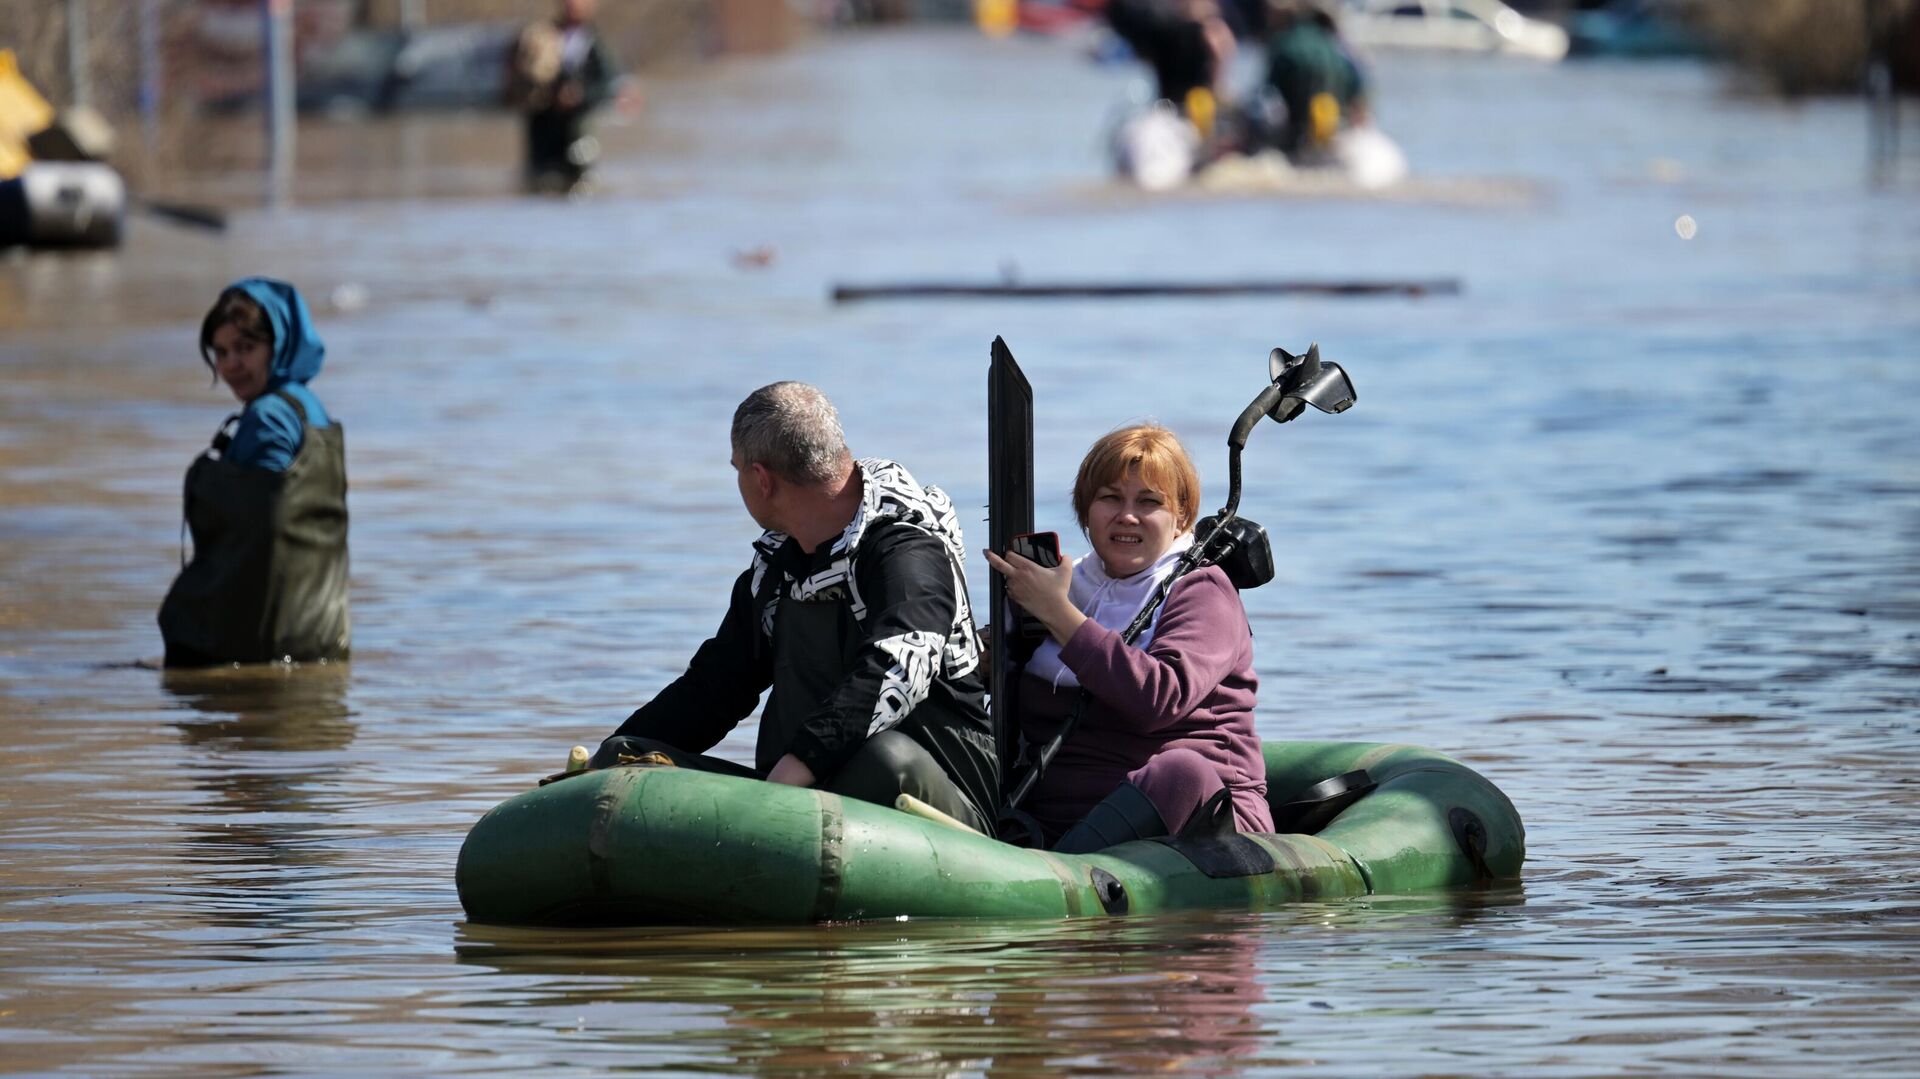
column 269, row 434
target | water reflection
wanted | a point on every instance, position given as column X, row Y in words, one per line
column 264, row 707
column 1574, row 535
column 1206, row 993
column 1153, row 994
column 266, row 742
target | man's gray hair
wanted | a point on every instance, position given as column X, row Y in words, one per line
column 792, row 429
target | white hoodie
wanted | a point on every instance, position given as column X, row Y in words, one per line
column 1111, row 601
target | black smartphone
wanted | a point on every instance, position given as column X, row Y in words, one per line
column 1041, row 548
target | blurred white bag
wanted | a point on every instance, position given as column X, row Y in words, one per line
column 1369, row 157
column 1155, row 147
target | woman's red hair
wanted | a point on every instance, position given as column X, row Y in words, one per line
column 1161, row 460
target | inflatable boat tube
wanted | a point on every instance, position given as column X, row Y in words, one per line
column 643, row 845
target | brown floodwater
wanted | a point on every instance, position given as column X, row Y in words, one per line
column 1632, row 525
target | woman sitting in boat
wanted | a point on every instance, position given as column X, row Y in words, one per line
column 1168, row 720
column 267, row 502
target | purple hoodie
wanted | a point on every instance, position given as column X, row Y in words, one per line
column 1192, row 687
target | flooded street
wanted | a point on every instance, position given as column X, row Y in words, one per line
column 1631, row 525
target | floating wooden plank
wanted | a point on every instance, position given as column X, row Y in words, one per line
column 941, row 290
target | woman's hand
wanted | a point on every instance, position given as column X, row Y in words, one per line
column 1041, row 592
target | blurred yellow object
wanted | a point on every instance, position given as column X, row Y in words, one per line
column 577, row 759
column 23, row 112
column 1200, row 108
column 996, row 18
column 1323, row 115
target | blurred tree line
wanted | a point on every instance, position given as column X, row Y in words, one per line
column 1800, row 47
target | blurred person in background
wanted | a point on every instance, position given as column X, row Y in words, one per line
column 1188, row 44
column 560, row 72
column 267, row 502
column 1313, row 74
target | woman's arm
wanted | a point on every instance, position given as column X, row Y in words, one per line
column 1197, row 644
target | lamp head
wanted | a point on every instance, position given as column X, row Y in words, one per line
column 1306, row 380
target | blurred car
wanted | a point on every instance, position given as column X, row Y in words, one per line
column 1632, row 28
column 456, row 66
column 349, row 74
column 450, row 66
column 1450, row 25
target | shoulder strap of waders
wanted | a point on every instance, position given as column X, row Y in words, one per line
column 299, row 410
column 281, row 393
column 222, row 438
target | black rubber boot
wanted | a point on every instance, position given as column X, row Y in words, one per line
column 1124, row 815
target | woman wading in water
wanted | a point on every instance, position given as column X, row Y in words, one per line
column 267, row 501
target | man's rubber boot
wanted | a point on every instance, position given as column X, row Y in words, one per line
column 1126, row 814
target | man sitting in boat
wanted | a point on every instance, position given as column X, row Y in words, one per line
column 1312, row 72
column 1187, row 43
column 854, row 612
column 1166, row 722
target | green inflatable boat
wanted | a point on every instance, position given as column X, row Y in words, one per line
column 658, row 845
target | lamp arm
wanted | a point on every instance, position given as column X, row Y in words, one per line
column 1250, row 415
column 1232, row 508
column 1259, row 407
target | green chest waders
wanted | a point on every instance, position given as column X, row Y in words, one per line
column 268, row 577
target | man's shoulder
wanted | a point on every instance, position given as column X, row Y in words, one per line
column 887, row 473
column 901, row 549
column 538, row 51
column 898, row 496
column 890, row 535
